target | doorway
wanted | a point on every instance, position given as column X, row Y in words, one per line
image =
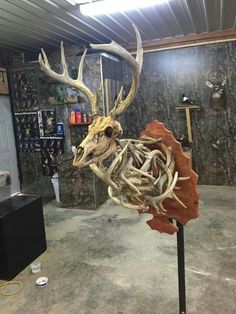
column 8, row 159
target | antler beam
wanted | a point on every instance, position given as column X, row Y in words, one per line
column 66, row 79
column 136, row 67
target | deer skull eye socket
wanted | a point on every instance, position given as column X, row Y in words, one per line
column 108, row 131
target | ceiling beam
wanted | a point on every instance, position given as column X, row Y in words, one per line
column 186, row 41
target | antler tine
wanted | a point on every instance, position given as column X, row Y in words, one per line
column 66, row 79
column 81, row 66
column 226, row 75
column 63, row 62
column 210, row 76
column 135, row 64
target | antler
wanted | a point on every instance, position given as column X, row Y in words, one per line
column 211, row 76
column 226, row 76
column 66, row 79
column 136, row 66
column 214, row 78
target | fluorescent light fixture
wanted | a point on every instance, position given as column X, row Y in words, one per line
column 74, row 2
column 111, row 6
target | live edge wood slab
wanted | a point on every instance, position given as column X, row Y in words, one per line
column 188, row 189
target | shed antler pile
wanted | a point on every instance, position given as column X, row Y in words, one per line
column 140, row 174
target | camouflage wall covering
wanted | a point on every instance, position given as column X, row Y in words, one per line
column 165, row 77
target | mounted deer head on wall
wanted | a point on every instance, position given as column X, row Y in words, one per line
column 137, row 176
column 218, row 100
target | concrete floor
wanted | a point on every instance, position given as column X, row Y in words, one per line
column 110, row 262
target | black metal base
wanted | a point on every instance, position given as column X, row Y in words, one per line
column 181, row 269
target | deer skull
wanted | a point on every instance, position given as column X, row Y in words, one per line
column 100, row 142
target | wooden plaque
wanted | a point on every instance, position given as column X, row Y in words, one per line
column 188, row 189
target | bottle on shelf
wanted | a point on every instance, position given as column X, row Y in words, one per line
column 89, row 118
column 72, row 117
column 78, row 117
column 84, row 118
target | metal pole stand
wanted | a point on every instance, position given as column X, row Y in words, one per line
column 181, row 268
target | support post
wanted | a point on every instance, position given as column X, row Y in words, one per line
column 187, row 110
column 189, row 127
column 181, row 269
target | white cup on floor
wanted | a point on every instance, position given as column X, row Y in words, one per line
column 35, row 267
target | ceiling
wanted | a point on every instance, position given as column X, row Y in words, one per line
column 32, row 24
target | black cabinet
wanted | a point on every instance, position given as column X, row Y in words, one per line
column 22, row 234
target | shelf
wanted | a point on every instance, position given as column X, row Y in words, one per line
column 51, row 137
column 29, row 139
column 25, row 112
column 80, row 123
column 183, row 107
